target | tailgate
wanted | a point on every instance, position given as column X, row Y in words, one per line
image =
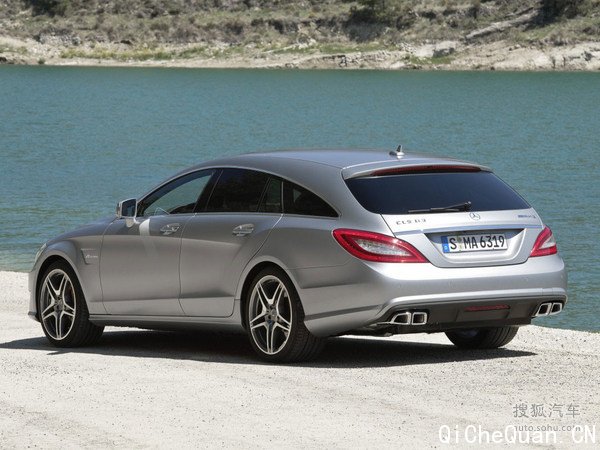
column 469, row 239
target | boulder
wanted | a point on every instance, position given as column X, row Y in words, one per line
column 444, row 48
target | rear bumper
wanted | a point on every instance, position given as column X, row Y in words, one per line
column 358, row 295
column 453, row 315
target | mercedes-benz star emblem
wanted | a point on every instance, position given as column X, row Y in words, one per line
column 474, row 216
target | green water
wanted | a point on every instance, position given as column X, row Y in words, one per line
column 73, row 141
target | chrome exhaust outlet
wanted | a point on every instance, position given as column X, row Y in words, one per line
column 410, row 318
column 556, row 308
column 544, row 309
column 419, row 318
column 403, row 318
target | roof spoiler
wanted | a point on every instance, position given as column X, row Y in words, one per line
column 387, row 168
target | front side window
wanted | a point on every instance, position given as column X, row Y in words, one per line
column 177, row 197
column 238, row 190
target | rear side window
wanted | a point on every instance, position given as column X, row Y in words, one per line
column 297, row 200
column 237, row 190
column 271, row 201
column 400, row 194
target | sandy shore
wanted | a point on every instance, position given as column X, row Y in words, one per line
column 445, row 55
column 155, row 389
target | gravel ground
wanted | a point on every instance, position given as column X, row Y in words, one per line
column 157, row 389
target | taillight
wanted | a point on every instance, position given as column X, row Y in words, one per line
column 544, row 244
column 377, row 247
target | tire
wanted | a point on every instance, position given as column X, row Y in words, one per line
column 271, row 306
column 482, row 338
column 62, row 309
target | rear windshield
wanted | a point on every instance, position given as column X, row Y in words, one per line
column 399, row 194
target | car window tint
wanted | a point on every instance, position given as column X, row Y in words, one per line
column 237, row 190
column 297, row 200
column 399, row 194
column 177, row 197
column 271, row 202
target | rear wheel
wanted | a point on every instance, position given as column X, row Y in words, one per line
column 275, row 320
column 62, row 309
column 482, row 338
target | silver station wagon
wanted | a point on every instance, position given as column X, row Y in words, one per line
column 295, row 246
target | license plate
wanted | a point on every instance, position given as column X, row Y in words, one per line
column 474, row 242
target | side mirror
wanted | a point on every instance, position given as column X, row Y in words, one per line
column 126, row 209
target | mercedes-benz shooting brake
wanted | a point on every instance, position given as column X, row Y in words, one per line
column 296, row 246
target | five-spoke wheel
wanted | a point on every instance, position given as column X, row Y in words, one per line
column 58, row 307
column 270, row 314
column 275, row 319
column 62, row 309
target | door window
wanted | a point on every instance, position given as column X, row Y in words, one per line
column 237, row 190
column 271, row 201
column 177, row 197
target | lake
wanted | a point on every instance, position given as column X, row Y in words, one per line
column 74, row 141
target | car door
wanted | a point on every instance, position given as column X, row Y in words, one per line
column 139, row 261
column 221, row 239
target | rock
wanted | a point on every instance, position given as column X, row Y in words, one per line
column 424, row 51
column 444, row 48
column 526, row 16
column 57, row 38
column 398, row 65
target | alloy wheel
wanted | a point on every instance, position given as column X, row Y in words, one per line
column 270, row 315
column 57, row 304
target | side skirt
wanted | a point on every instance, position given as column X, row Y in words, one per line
column 232, row 323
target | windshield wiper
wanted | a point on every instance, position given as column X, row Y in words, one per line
column 464, row 206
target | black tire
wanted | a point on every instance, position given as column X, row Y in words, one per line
column 301, row 345
column 81, row 331
column 482, row 338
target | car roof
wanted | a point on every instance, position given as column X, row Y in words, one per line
column 322, row 171
column 351, row 162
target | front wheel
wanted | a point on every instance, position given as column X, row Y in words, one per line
column 62, row 309
column 482, row 338
column 275, row 320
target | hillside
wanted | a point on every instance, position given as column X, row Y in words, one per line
column 273, row 33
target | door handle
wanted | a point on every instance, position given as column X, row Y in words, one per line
column 169, row 229
column 243, row 230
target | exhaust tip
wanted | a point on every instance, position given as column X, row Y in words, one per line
column 419, row 318
column 556, row 308
column 410, row 318
column 544, row 309
column 403, row 318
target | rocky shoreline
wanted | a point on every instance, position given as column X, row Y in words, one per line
column 445, row 55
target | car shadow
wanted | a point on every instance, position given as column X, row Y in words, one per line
column 347, row 352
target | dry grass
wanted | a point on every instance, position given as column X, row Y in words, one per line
column 147, row 29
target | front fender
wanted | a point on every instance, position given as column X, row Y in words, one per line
column 87, row 272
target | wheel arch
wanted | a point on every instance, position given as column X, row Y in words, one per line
column 52, row 257
column 248, row 276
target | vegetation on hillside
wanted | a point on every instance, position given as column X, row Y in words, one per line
column 291, row 25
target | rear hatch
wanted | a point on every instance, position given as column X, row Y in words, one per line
column 455, row 215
